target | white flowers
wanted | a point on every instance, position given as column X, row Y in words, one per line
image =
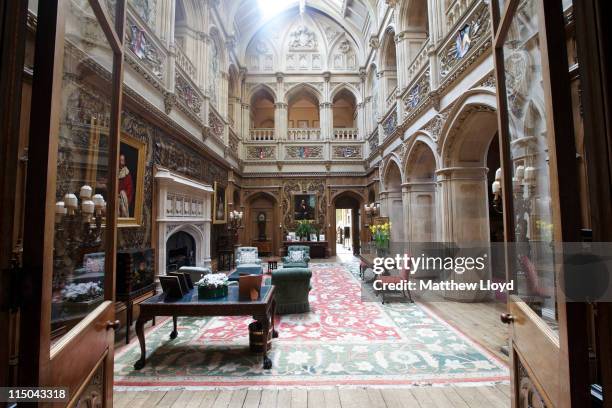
column 81, row 292
column 213, row 280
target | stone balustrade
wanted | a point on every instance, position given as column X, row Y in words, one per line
column 263, row 134
column 346, row 134
column 304, row 134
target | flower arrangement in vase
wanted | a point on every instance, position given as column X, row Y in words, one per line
column 212, row 286
column 381, row 234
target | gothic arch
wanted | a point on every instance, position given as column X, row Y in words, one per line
column 412, row 15
column 303, row 86
column 259, row 87
column 479, row 102
column 348, row 87
column 418, row 141
column 392, row 160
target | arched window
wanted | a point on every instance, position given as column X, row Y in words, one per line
column 344, row 105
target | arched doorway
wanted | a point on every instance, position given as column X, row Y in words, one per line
column 261, row 224
column 347, row 219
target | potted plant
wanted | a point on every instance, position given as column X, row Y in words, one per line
column 212, row 286
column 304, row 229
column 381, row 234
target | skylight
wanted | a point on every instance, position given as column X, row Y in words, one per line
column 270, row 8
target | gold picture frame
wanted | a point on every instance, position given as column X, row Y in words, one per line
column 219, row 203
column 132, row 156
column 311, row 200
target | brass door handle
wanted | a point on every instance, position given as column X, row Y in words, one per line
column 113, row 325
column 506, row 318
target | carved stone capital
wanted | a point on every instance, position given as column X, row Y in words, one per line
column 374, row 41
column 327, row 76
column 169, row 102
column 434, row 96
column 280, row 105
column 325, row 105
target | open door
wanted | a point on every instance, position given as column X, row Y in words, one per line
column 67, row 311
column 547, row 334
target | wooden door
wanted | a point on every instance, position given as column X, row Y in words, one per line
column 67, row 313
column 547, row 334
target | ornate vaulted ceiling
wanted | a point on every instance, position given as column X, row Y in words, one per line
column 356, row 17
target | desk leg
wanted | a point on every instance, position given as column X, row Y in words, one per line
column 175, row 331
column 128, row 321
column 274, row 332
column 265, row 325
column 141, row 339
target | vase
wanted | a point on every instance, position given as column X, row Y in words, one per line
column 212, row 293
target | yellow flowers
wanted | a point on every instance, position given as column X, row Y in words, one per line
column 381, row 228
column 381, row 234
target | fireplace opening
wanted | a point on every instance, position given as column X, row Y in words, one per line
column 180, row 251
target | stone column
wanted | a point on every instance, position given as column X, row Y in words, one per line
column 246, row 121
column 326, row 120
column 421, row 197
column 465, row 207
column 164, row 21
column 280, row 121
column 361, row 126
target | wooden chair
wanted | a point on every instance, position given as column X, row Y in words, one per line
column 403, row 277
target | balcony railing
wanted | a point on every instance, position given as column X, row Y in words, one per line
column 346, row 134
column 185, row 63
column 304, row 134
column 262, row 135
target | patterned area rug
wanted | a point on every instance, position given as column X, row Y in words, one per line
column 342, row 341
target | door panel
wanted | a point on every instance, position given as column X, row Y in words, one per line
column 538, row 163
column 70, row 232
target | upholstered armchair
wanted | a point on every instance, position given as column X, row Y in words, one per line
column 248, row 255
column 290, row 261
column 291, row 289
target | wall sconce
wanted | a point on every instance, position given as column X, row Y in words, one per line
column 372, row 210
column 523, row 184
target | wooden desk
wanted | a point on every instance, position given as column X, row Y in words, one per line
column 262, row 310
column 318, row 249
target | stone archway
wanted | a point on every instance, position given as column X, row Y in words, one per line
column 464, row 190
column 392, row 205
column 349, row 200
column 420, row 194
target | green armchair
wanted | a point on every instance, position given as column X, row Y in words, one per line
column 288, row 262
column 291, row 290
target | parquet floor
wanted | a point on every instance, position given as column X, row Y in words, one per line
column 497, row 396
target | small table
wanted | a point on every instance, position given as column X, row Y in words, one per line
column 262, row 310
column 273, row 264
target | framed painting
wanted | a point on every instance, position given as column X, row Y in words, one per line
column 130, row 183
column 304, row 206
column 220, row 204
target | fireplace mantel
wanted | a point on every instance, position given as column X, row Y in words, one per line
column 185, row 205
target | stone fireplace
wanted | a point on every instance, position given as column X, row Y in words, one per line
column 183, row 221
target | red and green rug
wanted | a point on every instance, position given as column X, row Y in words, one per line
column 342, row 341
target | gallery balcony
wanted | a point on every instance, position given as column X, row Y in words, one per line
column 262, row 135
column 346, row 134
column 304, row 134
